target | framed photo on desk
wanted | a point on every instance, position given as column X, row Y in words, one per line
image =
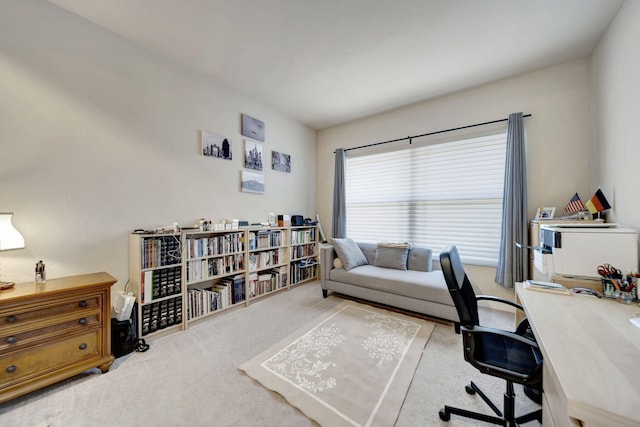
column 545, row 213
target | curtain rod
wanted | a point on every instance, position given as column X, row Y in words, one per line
column 410, row 138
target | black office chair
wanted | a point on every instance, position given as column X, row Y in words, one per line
column 513, row 356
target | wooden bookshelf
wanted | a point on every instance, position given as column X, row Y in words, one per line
column 179, row 278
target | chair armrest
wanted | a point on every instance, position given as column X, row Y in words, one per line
column 500, row 300
column 511, row 336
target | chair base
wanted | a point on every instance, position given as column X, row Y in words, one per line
column 508, row 419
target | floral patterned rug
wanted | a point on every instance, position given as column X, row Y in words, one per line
column 350, row 367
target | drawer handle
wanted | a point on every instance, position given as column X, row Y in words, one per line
column 12, row 319
column 83, row 321
column 83, row 346
column 12, row 339
column 83, row 304
column 11, row 369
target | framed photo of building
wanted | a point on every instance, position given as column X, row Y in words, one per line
column 252, row 155
column 215, row 146
column 252, row 182
column 252, row 128
column 280, row 161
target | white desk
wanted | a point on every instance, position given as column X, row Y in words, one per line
column 591, row 358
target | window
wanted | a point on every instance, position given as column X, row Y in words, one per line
column 433, row 196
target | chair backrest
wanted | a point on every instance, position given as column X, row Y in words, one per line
column 460, row 287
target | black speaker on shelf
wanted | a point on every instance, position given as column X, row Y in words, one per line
column 297, row 220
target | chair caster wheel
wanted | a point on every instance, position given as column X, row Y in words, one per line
column 469, row 389
column 444, row 415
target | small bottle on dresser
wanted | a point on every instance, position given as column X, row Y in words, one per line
column 41, row 276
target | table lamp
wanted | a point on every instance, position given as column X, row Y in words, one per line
column 10, row 239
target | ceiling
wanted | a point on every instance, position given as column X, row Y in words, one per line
column 324, row 62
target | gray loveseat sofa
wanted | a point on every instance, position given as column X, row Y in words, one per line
column 380, row 276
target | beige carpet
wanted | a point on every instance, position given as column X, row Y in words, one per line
column 350, row 367
column 191, row 378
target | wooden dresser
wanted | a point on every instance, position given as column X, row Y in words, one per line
column 54, row 330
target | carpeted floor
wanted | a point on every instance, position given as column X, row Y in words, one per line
column 191, row 378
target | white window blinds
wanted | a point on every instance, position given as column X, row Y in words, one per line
column 433, row 196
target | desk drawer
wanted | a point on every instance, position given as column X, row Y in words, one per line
column 19, row 365
column 20, row 335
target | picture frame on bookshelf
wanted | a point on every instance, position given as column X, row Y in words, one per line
column 544, row 213
column 251, row 182
column 252, row 128
column 252, row 155
column 216, row 146
column 280, row 162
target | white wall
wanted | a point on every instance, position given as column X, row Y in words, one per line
column 99, row 137
column 615, row 68
column 557, row 136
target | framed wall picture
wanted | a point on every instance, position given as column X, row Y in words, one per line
column 280, row 161
column 252, row 128
column 252, row 155
column 217, row 146
column 252, row 182
column 544, row 213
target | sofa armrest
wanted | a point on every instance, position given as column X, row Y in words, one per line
column 327, row 255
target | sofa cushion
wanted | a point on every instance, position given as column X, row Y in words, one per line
column 422, row 285
column 349, row 253
column 420, row 259
column 369, row 250
column 392, row 255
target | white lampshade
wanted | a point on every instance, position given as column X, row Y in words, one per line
column 10, row 238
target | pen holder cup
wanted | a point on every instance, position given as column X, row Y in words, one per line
column 611, row 291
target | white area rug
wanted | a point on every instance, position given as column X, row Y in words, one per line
column 352, row 366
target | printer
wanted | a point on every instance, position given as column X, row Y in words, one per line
column 578, row 251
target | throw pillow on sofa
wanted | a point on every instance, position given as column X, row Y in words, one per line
column 349, row 253
column 392, row 255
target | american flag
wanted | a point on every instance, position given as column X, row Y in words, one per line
column 575, row 204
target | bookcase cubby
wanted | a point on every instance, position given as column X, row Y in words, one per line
column 303, row 254
column 214, row 268
column 155, row 274
column 182, row 277
column 268, row 261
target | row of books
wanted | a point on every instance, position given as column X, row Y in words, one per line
column 218, row 245
column 223, row 294
column 303, row 236
column 161, row 315
column 265, row 239
column 304, row 270
column 203, row 269
column 266, row 259
column 158, row 251
column 267, row 281
column 302, row 251
column 160, row 283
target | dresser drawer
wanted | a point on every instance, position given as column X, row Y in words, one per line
column 46, row 311
column 20, row 365
column 23, row 334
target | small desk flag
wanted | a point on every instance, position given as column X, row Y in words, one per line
column 598, row 203
column 575, row 204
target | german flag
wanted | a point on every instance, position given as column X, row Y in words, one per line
column 598, row 203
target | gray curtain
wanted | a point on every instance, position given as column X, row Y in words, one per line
column 513, row 262
column 339, row 221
